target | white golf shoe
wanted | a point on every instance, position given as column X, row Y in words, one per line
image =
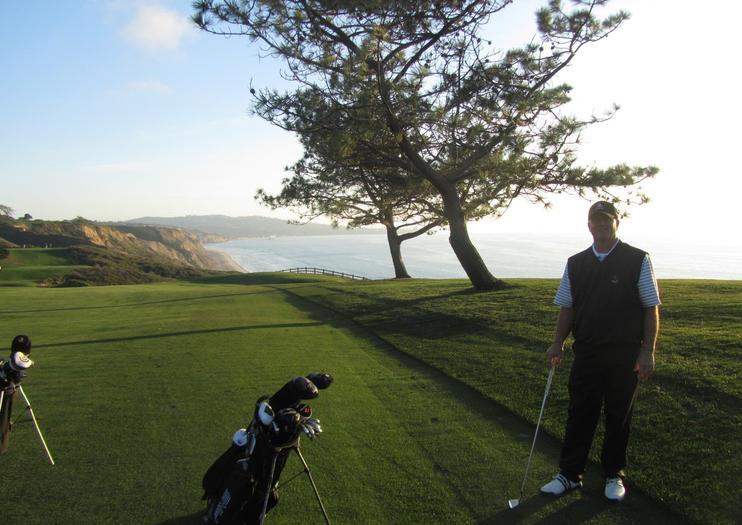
column 559, row 485
column 614, row 489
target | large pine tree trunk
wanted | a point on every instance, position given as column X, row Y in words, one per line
column 395, row 248
column 465, row 251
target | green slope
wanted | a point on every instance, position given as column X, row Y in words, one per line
column 29, row 266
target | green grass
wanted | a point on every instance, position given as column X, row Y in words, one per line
column 687, row 430
column 30, row 266
column 139, row 388
column 82, row 265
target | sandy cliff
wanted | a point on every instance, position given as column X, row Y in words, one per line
column 172, row 244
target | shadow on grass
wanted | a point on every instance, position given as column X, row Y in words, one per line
column 192, row 519
column 179, row 334
column 409, row 318
column 144, row 303
column 588, row 504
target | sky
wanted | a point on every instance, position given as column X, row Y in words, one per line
column 117, row 109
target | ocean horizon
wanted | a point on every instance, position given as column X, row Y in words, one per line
column 507, row 255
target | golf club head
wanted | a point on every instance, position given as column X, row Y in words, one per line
column 512, row 503
column 21, row 343
column 320, row 379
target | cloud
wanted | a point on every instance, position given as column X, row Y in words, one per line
column 157, row 28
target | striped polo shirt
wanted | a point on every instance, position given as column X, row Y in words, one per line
column 648, row 291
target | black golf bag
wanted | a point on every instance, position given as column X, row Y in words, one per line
column 6, row 409
column 241, row 486
column 12, row 373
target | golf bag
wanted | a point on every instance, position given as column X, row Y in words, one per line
column 12, row 373
column 241, row 486
column 6, row 410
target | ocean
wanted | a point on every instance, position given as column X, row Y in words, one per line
column 505, row 254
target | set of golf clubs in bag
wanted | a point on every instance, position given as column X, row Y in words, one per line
column 12, row 372
column 241, row 486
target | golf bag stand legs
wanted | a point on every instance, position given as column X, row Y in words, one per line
column 314, row 486
column 36, row 425
column 6, row 407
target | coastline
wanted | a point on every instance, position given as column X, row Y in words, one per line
column 508, row 255
column 223, row 261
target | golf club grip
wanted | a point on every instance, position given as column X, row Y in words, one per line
column 543, row 401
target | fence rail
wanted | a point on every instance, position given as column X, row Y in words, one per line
column 322, row 271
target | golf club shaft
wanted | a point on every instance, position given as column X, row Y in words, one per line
column 268, row 486
column 631, row 404
column 36, row 425
column 535, row 434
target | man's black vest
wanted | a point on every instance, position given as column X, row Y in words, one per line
column 605, row 298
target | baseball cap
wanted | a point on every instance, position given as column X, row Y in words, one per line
column 21, row 343
column 604, row 207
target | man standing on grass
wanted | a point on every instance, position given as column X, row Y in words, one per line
column 609, row 302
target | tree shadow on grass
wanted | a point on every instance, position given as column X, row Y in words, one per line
column 143, row 303
column 191, row 519
column 589, row 504
column 179, row 334
column 407, row 317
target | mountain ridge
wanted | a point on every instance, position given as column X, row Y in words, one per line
column 246, row 226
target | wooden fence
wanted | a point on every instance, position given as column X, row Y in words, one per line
column 322, row 271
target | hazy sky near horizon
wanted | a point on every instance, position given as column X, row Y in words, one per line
column 114, row 109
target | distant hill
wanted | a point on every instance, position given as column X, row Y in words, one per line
column 113, row 254
column 238, row 227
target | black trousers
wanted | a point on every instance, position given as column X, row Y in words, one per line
column 605, row 380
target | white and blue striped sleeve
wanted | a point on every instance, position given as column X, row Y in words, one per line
column 563, row 296
column 648, row 291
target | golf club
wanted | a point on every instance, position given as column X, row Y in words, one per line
column 512, row 503
column 631, row 404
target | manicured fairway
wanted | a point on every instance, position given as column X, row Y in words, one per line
column 27, row 266
column 139, row 388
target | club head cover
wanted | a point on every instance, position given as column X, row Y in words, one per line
column 292, row 393
column 265, row 413
column 20, row 361
column 240, row 437
column 21, row 343
column 321, row 380
column 304, row 410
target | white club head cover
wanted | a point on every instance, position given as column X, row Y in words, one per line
column 20, row 361
column 265, row 413
column 240, row 437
